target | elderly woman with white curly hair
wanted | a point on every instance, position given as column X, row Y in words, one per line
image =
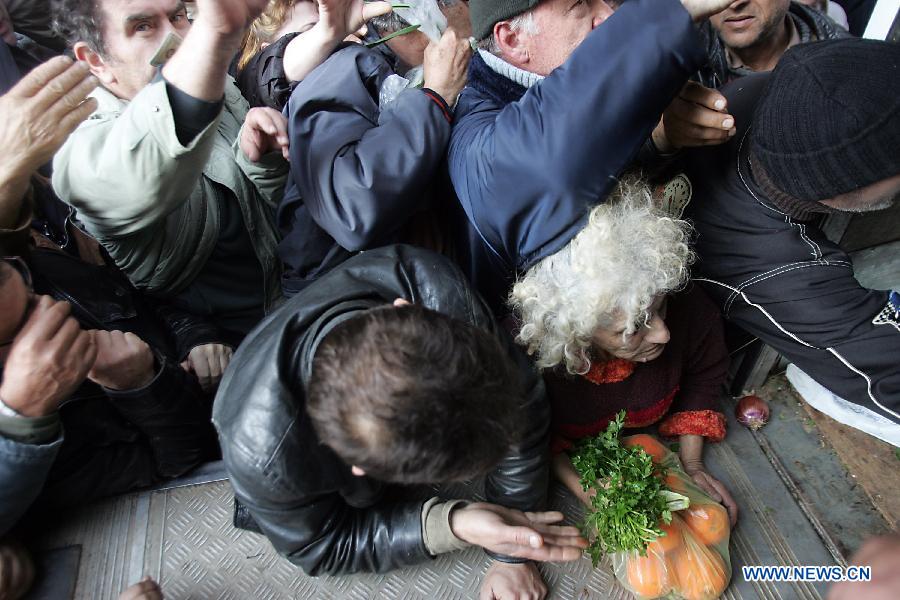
column 609, row 320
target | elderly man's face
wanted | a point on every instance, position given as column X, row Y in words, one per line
column 133, row 31
column 561, row 26
column 748, row 23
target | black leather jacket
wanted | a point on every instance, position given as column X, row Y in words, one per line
column 302, row 496
column 810, row 23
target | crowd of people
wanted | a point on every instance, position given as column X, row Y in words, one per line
column 349, row 254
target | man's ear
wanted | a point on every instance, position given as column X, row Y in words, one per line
column 511, row 44
column 84, row 53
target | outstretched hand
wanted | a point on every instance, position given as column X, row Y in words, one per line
column 515, row 533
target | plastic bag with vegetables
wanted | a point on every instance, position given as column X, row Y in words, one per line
column 665, row 536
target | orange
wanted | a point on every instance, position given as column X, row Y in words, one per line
column 700, row 573
column 675, row 483
column 650, row 445
column 709, row 522
column 670, row 541
column 647, row 576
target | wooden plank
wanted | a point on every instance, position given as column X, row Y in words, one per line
column 871, row 462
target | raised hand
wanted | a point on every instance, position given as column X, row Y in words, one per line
column 42, row 110
column 124, row 361
column 48, row 360
column 229, row 17
column 446, row 65
column 514, row 533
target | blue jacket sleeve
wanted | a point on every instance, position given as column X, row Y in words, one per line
column 362, row 171
column 23, row 471
column 527, row 173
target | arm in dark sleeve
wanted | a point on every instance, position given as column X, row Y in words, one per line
column 174, row 416
column 520, row 481
column 191, row 115
column 561, row 146
column 322, row 533
column 363, row 172
column 188, row 330
column 24, row 466
column 697, row 408
column 842, row 335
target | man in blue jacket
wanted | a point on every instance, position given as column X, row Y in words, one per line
column 553, row 111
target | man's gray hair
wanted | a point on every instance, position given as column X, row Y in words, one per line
column 628, row 253
column 79, row 21
column 524, row 23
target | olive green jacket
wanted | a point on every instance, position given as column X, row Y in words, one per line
column 150, row 201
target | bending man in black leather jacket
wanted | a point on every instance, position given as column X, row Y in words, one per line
column 338, row 393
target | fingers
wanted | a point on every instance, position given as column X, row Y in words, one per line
column 41, row 76
column 727, row 500
column 697, row 122
column 145, row 589
column 224, row 360
column 75, row 117
column 46, row 319
column 61, row 85
column 374, row 9
column 550, row 516
column 704, row 96
column 201, row 368
column 523, row 536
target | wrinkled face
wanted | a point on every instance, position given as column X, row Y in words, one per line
column 645, row 344
column 7, row 32
column 749, row 23
column 561, row 26
column 16, row 299
column 878, row 196
column 133, row 31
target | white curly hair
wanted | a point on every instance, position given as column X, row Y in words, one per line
column 629, row 253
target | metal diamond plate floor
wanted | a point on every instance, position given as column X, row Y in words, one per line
column 183, row 537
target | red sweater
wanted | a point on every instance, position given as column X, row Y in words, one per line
column 681, row 388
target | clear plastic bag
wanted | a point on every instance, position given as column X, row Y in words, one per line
column 690, row 562
column 427, row 15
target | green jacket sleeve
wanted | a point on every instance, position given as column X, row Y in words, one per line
column 124, row 168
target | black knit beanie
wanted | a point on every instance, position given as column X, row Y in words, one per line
column 487, row 13
column 829, row 119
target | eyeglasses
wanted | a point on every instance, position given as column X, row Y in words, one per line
column 17, row 264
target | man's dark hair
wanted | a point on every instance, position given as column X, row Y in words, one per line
column 79, row 21
column 413, row 396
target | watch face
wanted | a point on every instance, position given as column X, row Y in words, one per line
column 676, row 195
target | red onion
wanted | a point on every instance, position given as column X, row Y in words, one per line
column 752, row 411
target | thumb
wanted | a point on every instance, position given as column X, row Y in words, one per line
column 523, row 536
column 375, row 9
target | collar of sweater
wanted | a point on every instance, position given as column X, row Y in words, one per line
column 498, row 79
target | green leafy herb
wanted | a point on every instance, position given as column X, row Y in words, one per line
column 630, row 500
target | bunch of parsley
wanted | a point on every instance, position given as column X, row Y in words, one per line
column 630, row 501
